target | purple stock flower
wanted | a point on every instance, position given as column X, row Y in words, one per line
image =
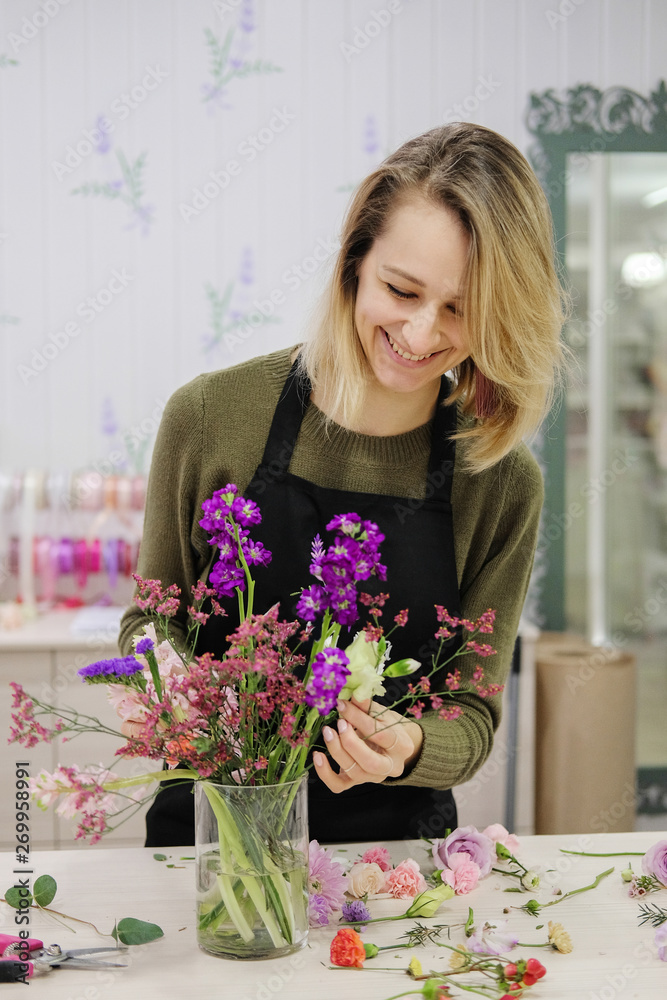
column 255, row 553
column 144, row 645
column 118, row 666
column 312, row 603
column 225, row 577
column 328, row 677
column 349, row 524
column 355, row 911
column 246, row 512
column 654, row 861
column 468, row 839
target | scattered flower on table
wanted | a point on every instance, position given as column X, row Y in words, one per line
column 499, row 835
column 559, row 939
column 347, row 949
column 660, row 942
column 492, row 939
column 354, row 911
column 462, row 874
column 468, row 840
column 326, row 884
column 654, row 862
column 405, row 880
column 379, row 856
column 366, row 879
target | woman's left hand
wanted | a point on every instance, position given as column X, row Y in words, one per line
column 371, row 743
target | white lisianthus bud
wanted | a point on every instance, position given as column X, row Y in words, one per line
column 531, row 880
column 365, row 680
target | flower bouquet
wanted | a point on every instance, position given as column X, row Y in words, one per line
column 241, row 726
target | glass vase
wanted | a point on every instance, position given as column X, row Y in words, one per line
column 252, row 868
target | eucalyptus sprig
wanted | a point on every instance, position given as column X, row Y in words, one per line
column 128, row 931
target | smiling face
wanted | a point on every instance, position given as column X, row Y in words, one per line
column 409, row 301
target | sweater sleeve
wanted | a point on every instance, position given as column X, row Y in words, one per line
column 494, row 573
column 168, row 549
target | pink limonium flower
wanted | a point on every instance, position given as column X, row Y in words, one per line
column 462, row 873
column 326, row 884
column 405, row 881
column 379, row 856
column 499, row 835
column 83, row 796
column 480, row 848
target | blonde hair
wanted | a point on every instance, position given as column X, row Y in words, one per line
column 513, row 303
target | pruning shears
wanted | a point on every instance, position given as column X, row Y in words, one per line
column 22, row 958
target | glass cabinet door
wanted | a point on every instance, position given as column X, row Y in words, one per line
column 616, row 483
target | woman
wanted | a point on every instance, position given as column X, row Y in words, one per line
column 446, row 265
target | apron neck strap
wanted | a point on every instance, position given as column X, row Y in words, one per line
column 293, row 403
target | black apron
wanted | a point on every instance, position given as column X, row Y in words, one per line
column 419, row 554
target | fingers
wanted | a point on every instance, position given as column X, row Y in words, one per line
column 357, row 761
column 380, row 727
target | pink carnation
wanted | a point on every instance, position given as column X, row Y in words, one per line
column 405, row 880
column 378, row 856
column 462, row 874
column 499, row 835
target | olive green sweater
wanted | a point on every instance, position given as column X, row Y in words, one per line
column 213, row 432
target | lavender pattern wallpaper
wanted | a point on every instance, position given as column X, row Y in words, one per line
column 174, row 174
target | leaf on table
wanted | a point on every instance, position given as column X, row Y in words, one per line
column 44, row 890
column 13, row 896
column 129, row 930
column 160, row 857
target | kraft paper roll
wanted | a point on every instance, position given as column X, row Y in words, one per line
column 585, row 737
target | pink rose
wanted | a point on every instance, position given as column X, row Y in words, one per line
column 405, row 880
column 654, row 861
column 462, row 873
column 481, row 848
column 499, row 835
column 378, row 856
column 365, row 878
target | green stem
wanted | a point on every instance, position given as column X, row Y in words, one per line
column 573, row 892
column 611, row 854
column 177, row 774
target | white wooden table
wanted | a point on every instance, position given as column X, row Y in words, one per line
column 613, row 957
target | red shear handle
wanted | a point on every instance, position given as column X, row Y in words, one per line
column 27, row 944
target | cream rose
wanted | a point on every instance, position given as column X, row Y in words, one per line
column 365, row 878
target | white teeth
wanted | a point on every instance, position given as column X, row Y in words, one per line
column 404, row 354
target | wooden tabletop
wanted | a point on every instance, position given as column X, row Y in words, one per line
column 613, row 956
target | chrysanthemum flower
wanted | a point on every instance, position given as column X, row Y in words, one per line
column 559, row 939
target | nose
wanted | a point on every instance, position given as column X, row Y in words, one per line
column 420, row 331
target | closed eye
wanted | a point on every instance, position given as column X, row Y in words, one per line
column 399, row 294
column 410, row 295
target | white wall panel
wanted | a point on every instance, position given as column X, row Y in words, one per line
column 358, row 82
